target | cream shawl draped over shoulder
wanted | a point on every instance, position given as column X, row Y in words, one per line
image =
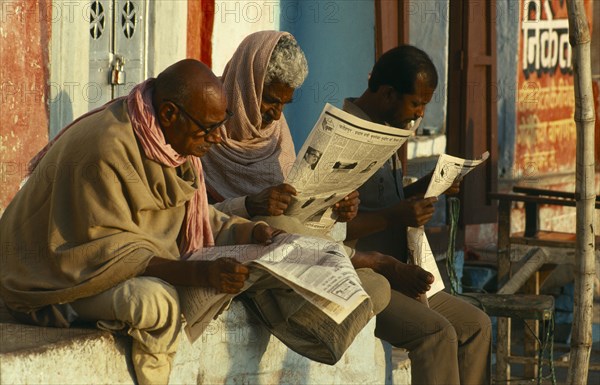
column 249, row 158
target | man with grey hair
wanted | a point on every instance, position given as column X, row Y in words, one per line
column 245, row 173
column 257, row 149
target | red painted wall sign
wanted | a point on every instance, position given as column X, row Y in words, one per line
column 546, row 134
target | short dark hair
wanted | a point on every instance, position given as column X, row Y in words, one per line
column 399, row 68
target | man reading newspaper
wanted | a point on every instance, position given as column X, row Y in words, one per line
column 245, row 173
column 113, row 206
column 448, row 341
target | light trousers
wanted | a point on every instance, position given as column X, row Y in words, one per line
column 448, row 342
column 147, row 308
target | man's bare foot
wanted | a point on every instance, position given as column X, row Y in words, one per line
column 410, row 280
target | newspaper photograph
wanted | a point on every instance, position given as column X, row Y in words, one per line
column 317, row 269
column 341, row 153
column 447, row 170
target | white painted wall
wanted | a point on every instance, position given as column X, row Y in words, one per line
column 167, row 34
column 70, row 85
column 234, row 20
column 69, row 63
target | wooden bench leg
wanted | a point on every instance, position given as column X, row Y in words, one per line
column 503, row 350
column 532, row 329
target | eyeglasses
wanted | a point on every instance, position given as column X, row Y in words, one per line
column 201, row 127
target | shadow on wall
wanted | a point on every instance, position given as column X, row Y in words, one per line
column 62, row 108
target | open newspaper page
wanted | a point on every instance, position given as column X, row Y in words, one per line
column 341, row 153
column 447, row 170
column 317, row 269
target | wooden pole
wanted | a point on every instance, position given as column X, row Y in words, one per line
column 581, row 340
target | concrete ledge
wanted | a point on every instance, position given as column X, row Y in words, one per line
column 400, row 367
column 233, row 350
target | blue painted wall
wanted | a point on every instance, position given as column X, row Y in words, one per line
column 338, row 38
column 428, row 21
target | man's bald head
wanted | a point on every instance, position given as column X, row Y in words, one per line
column 188, row 99
column 185, row 81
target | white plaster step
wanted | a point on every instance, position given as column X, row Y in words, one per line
column 400, row 367
column 233, row 350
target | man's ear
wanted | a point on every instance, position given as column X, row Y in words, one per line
column 388, row 92
column 167, row 113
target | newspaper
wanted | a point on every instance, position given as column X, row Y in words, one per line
column 447, row 170
column 341, row 153
column 317, row 269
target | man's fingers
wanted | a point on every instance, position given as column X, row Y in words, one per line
column 285, row 188
column 234, row 271
column 230, row 289
column 429, row 202
column 264, row 233
column 228, row 275
column 348, row 209
column 234, row 280
column 277, row 205
column 283, row 198
column 353, row 195
column 228, row 264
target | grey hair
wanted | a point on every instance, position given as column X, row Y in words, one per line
column 287, row 63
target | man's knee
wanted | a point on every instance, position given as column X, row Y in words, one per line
column 378, row 288
column 474, row 327
column 480, row 324
column 439, row 333
column 149, row 303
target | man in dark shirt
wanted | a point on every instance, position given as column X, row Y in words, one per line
column 449, row 341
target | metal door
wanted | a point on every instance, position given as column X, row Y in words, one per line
column 117, row 48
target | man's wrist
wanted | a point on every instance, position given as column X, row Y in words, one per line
column 249, row 206
column 253, row 238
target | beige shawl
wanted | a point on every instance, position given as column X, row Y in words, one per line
column 249, row 159
column 93, row 213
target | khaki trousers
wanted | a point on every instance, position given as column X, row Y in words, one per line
column 148, row 309
column 448, row 342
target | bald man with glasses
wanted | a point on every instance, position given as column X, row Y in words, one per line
column 113, row 207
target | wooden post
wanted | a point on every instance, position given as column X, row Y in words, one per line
column 581, row 340
column 503, row 340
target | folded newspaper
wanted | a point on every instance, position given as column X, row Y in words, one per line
column 317, row 269
column 447, row 170
column 341, row 153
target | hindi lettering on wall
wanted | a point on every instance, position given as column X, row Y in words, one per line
column 546, row 134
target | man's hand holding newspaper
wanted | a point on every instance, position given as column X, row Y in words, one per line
column 446, row 176
column 340, row 154
column 317, row 269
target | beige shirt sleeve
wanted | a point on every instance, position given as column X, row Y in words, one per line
column 233, row 206
column 230, row 230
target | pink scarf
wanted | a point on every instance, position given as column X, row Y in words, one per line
column 197, row 231
column 249, row 158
